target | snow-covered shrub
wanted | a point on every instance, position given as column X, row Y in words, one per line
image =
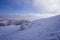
column 4, row 23
column 24, row 24
column 17, row 22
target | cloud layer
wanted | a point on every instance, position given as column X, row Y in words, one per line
column 47, row 5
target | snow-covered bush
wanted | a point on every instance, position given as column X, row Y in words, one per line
column 4, row 23
column 24, row 24
column 17, row 23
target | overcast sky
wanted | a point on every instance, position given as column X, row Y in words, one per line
column 29, row 6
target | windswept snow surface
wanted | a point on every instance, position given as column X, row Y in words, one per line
column 43, row 29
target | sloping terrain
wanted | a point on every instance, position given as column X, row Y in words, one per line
column 43, row 29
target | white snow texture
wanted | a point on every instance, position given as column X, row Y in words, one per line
column 42, row 29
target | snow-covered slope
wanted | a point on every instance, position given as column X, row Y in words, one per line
column 43, row 29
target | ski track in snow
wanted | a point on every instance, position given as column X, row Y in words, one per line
column 44, row 29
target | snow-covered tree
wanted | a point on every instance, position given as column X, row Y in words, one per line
column 24, row 24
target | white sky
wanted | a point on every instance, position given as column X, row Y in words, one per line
column 47, row 5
